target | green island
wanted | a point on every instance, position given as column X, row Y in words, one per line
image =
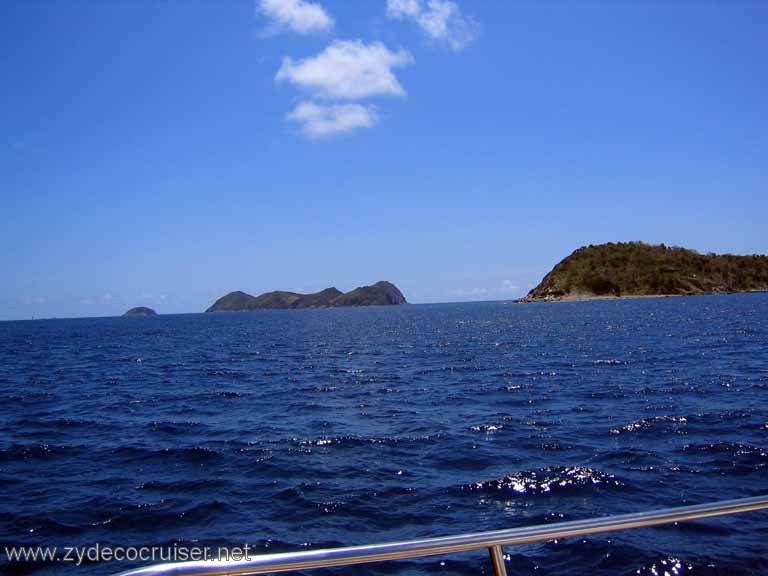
column 635, row 269
column 380, row 294
column 140, row 311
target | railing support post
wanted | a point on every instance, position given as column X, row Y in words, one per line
column 497, row 559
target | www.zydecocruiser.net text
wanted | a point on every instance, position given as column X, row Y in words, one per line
column 79, row 555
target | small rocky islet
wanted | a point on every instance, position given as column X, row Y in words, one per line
column 380, row 294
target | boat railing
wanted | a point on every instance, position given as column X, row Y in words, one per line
column 493, row 541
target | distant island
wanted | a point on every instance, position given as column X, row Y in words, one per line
column 379, row 294
column 639, row 269
column 140, row 311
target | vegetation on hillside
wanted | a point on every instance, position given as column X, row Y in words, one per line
column 637, row 269
column 379, row 294
column 140, row 311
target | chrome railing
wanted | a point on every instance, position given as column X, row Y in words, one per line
column 493, row 541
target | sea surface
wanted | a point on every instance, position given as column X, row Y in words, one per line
column 303, row 429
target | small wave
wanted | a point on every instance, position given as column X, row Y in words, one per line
column 629, row 456
column 181, row 486
column 322, row 389
column 709, row 418
column 546, row 480
column 612, row 394
column 187, row 454
column 164, row 513
column 670, row 423
column 205, row 512
column 364, row 441
column 173, row 427
column 731, row 458
column 58, row 423
column 38, row 451
column 731, row 448
column 487, row 428
column 555, row 446
column 43, row 525
column 669, row 566
column 29, row 397
column 229, row 374
column 330, row 507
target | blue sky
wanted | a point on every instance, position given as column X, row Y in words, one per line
column 165, row 153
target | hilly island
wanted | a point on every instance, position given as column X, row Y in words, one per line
column 379, row 294
column 140, row 311
column 639, row 269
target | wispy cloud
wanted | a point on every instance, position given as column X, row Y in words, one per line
column 321, row 120
column 296, row 16
column 509, row 286
column 506, row 288
column 348, row 70
column 470, row 292
column 441, row 20
column 33, row 301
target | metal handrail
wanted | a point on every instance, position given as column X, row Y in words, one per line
column 493, row 541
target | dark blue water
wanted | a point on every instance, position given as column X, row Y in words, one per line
column 292, row 430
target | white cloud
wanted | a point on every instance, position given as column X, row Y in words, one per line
column 321, row 120
column 441, row 20
column 404, row 8
column 348, row 70
column 509, row 286
column 295, row 15
column 32, row 301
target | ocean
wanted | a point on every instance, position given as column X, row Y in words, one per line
column 303, row 429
